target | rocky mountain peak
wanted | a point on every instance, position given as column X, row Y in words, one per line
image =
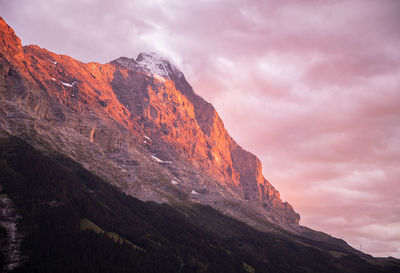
column 152, row 56
column 152, row 64
column 10, row 44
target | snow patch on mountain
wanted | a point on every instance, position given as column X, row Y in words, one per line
column 68, row 84
column 152, row 63
column 174, row 182
column 161, row 161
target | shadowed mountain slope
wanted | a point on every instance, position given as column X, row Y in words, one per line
column 72, row 221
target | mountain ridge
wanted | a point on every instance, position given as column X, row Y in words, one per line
column 115, row 106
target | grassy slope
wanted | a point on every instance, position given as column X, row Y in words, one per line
column 53, row 195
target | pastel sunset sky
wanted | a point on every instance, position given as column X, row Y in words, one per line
column 311, row 87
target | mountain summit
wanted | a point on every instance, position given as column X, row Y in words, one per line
column 153, row 64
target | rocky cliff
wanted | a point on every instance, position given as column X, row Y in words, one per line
column 136, row 122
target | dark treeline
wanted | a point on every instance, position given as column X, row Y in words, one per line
column 53, row 193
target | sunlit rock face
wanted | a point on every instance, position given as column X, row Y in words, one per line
column 136, row 122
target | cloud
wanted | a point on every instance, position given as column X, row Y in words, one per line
column 312, row 87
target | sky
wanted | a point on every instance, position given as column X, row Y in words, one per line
column 311, row 87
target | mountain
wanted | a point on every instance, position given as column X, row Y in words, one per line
column 137, row 124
